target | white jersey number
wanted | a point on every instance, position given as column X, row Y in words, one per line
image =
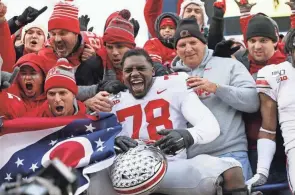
column 152, row 122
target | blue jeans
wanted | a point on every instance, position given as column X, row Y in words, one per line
column 242, row 157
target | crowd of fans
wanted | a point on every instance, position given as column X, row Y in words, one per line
column 214, row 110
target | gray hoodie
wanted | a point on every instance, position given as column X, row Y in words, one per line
column 236, row 94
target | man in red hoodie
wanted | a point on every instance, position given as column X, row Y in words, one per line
column 30, row 81
column 60, row 89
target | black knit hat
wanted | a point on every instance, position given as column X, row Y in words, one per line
column 261, row 26
column 188, row 27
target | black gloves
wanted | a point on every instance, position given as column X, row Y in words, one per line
column 174, row 140
column 84, row 20
column 30, row 14
column 160, row 70
column 124, row 143
column 224, row 49
column 7, row 78
column 136, row 26
column 112, row 86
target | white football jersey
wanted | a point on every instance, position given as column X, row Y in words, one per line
column 278, row 82
column 159, row 109
column 167, row 105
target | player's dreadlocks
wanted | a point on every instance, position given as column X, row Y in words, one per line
column 290, row 41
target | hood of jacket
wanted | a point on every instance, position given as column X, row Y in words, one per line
column 167, row 42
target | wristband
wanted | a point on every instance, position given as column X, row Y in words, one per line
column 267, row 131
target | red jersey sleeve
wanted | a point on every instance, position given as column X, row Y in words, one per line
column 11, row 106
column 152, row 9
column 92, row 39
column 6, row 48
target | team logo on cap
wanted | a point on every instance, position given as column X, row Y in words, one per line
column 184, row 33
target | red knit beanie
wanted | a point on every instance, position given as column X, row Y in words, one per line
column 167, row 22
column 64, row 16
column 61, row 76
column 110, row 18
column 120, row 30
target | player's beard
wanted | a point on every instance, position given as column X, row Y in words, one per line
column 146, row 88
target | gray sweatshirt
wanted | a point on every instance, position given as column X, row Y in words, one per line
column 236, row 94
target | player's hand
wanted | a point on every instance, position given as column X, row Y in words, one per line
column 100, row 102
column 244, row 5
column 112, row 86
column 174, row 140
column 257, row 180
column 291, row 3
column 30, row 14
column 88, row 52
column 201, row 83
column 3, row 10
column 124, row 143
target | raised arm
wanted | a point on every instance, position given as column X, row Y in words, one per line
column 152, row 9
column 7, row 51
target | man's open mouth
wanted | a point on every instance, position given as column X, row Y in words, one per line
column 59, row 108
column 137, row 85
column 60, row 47
column 29, row 86
column 33, row 42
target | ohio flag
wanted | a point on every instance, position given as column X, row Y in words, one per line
column 27, row 144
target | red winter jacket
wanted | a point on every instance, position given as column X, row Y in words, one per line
column 159, row 52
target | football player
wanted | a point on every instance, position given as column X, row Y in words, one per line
column 163, row 110
column 275, row 87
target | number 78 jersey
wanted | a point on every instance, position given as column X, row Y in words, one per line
column 159, row 109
